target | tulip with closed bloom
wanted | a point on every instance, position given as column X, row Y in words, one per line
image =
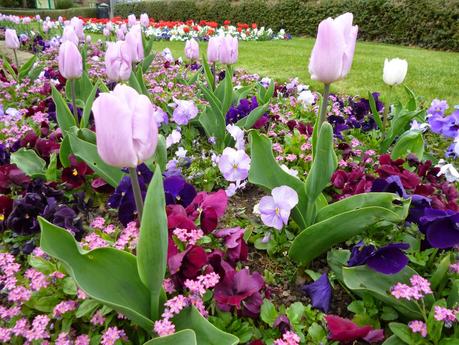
column 12, row 42
column 332, row 54
column 126, row 131
column 228, row 53
column 192, row 49
column 144, row 20
column 69, row 34
column 77, row 24
column 71, row 67
column 134, row 43
column 213, row 49
column 132, row 20
column 394, row 71
column 118, row 64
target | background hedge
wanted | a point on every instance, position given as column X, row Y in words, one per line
column 424, row 23
column 53, row 14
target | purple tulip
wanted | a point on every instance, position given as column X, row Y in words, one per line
column 228, row 50
column 118, row 62
column 144, row 20
column 126, row 129
column 134, row 43
column 184, row 111
column 11, row 39
column 234, row 164
column 275, row 209
column 331, row 57
column 192, row 49
column 70, row 61
column 213, row 49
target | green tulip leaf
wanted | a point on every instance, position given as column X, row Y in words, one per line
column 83, row 87
column 64, row 116
column 409, row 142
column 213, row 123
column 184, row 337
column 65, row 151
column 248, row 121
column 153, row 241
column 266, row 172
column 402, row 331
column 361, row 279
column 374, row 111
column 88, row 106
column 25, row 68
column 206, row 333
column 88, row 153
column 29, row 162
column 320, row 237
column 107, row 275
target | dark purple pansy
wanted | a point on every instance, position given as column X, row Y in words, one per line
column 186, row 264
column 4, row 155
column 245, row 106
column 441, row 227
column 392, row 184
column 240, row 290
column 389, row 259
column 237, row 249
column 209, row 207
column 6, row 205
column 63, row 216
column 178, row 191
column 23, row 218
column 320, row 293
column 282, row 323
column 74, row 175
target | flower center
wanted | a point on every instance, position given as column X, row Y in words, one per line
column 277, row 211
column 2, row 217
column 235, row 166
column 74, row 172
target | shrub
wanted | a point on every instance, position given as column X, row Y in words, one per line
column 54, row 14
column 64, row 4
column 10, row 3
column 424, row 23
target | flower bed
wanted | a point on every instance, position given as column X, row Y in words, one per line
column 148, row 200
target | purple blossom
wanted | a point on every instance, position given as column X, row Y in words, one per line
column 320, row 292
column 178, row 191
column 237, row 249
column 437, row 107
column 184, row 112
column 441, row 227
column 234, row 164
column 275, row 209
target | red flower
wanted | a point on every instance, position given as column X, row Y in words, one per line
column 210, row 207
column 75, row 173
column 345, row 330
column 227, row 22
column 10, row 175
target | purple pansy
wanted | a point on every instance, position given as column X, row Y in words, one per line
column 389, row 259
column 245, row 106
column 392, row 184
column 441, row 227
column 237, row 249
column 437, row 107
column 184, row 112
column 275, row 209
column 178, row 191
column 320, row 293
column 234, row 164
column 451, row 126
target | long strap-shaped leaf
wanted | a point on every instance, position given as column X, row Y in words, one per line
column 108, row 275
column 152, row 244
column 319, row 237
column 184, row 337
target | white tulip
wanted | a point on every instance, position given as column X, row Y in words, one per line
column 395, row 71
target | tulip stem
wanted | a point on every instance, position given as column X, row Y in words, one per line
column 323, row 108
column 137, row 193
column 214, row 72
column 16, row 60
column 74, row 106
column 387, row 109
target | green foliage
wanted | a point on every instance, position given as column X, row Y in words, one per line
column 53, row 14
column 29, row 162
column 425, row 23
column 63, row 4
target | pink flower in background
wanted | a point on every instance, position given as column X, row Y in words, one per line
column 418, row 327
column 11, row 39
column 275, row 209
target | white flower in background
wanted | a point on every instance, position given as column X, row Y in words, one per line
column 447, row 169
column 289, row 171
column 238, row 136
column 265, row 82
column 422, row 127
column 234, row 187
column 395, row 71
column 181, row 152
column 301, row 87
column 167, row 54
column 306, row 98
column 173, row 138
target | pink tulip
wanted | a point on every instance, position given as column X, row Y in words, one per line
column 69, row 34
column 192, row 49
column 118, row 62
column 228, row 50
column 144, row 20
column 70, row 61
column 331, row 57
column 132, row 20
column 126, row 130
column 213, row 49
column 134, row 43
column 120, row 34
column 11, row 39
column 77, row 24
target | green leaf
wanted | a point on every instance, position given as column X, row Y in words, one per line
column 393, row 340
column 209, row 75
column 65, row 151
column 153, row 240
column 147, row 62
column 86, row 307
column 361, row 279
column 206, row 333
column 390, row 201
column 412, row 104
column 141, row 81
column 160, row 156
column 268, row 312
column 88, row 153
column 434, row 327
column 69, row 286
column 320, row 237
column 214, row 124
column 64, row 116
column 83, row 87
column 402, row 331
column 25, row 68
column 295, row 312
column 336, row 259
column 8, row 67
column 323, row 167
column 398, row 126
column 228, row 91
column 52, row 171
column 29, row 162
column 248, row 121
column 441, row 273
column 184, row 337
column 34, row 73
column 409, row 142
column 107, row 275
column 266, row 172
column 449, row 341
column 269, row 93
column 88, row 106
column 374, row 111
column 134, row 83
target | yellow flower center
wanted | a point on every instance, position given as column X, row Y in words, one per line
column 2, row 217
column 74, row 172
column 277, row 211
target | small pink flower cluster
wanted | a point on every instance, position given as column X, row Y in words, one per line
column 37, row 279
column 418, row 289
column 99, row 223
column 418, row 327
column 8, row 270
column 168, row 285
column 64, row 307
column 448, row 316
column 454, row 267
column 111, row 335
column 288, row 338
column 189, row 237
column 128, row 237
column 175, row 305
column 93, row 241
column 98, row 319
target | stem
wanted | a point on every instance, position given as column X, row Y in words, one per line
column 136, row 189
column 214, row 72
column 323, row 108
column 75, row 110
column 387, row 109
column 16, row 60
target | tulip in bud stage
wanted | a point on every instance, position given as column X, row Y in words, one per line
column 118, row 63
column 395, row 71
column 192, row 49
column 12, row 42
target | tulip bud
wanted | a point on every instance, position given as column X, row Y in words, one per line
column 333, row 51
column 132, row 20
column 134, row 43
column 228, row 50
column 192, row 49
column 70, row 35
column 11, row 39
column 395, row 71
column 118, row 62
column 144, row 20
column 70, row 61
column 213, row 49
column 106, row 32
column 77, row 24
column 126, row 130
column 120, row 34
column 88, row 39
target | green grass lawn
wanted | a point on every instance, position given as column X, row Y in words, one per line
column 431, row 74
